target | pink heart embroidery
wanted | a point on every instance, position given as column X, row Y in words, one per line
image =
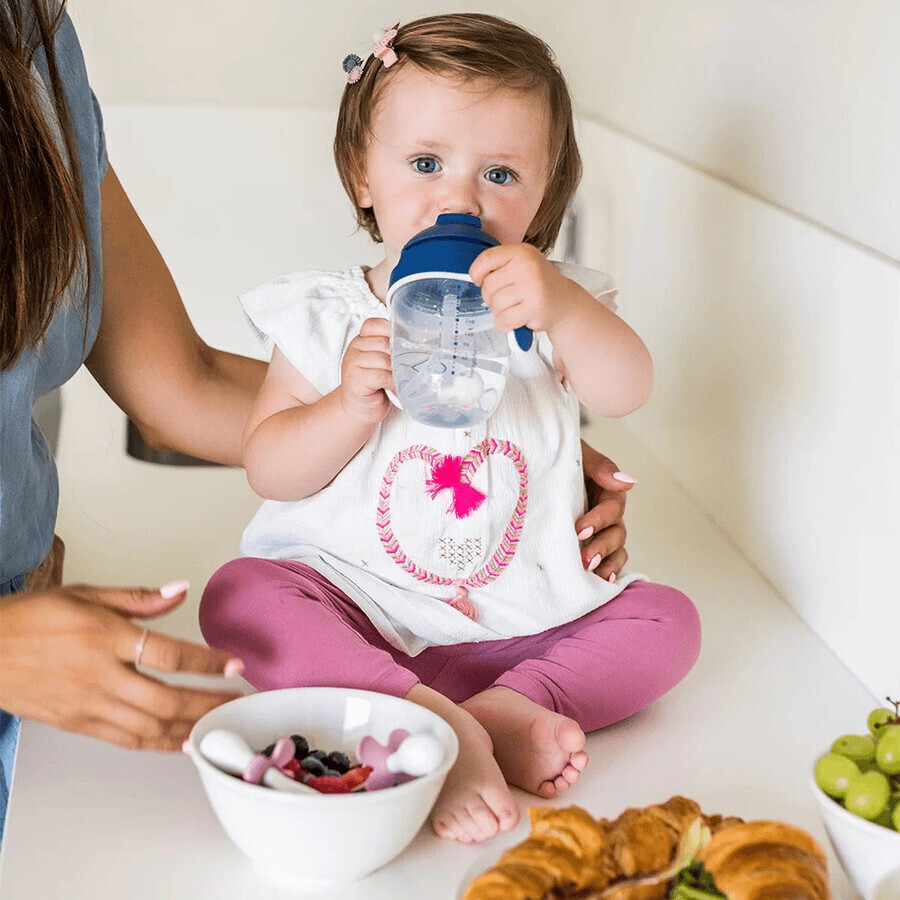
column 508, row 545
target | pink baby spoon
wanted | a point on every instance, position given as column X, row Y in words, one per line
column 405, row 756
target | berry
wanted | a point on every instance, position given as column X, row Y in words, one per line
column 269, row 749
column 313, row 765
column 339, row 761
column 301, row 746
column 321, row 755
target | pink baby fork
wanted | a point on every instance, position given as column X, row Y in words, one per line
column 401, row 759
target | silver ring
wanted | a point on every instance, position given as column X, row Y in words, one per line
column 139, row 646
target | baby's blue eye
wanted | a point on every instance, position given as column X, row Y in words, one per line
column 499, row 176
column 426, row 165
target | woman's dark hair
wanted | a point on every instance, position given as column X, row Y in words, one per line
column 43, row 235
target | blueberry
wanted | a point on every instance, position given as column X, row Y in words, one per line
column 339, row 761
column 301, row 746
column 313, row 765
column 269, row 749
column 332, row 773
column 320, row 755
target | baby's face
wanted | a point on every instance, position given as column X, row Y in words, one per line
column 441, row 145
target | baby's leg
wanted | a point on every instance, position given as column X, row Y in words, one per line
column 292, row 628
column 582, row 676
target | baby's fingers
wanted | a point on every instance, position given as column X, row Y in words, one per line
column 375, row 326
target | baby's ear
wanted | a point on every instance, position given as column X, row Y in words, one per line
column 361, row 192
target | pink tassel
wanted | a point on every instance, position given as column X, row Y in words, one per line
column 447, row 474
column 460, row 601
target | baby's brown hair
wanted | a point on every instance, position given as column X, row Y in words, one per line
column 477, row 48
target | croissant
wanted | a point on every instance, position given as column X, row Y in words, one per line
column 766, row 861
column 569, row 854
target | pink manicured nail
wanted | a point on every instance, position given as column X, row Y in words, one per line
column 625, row 479
column 585, row 533
column 186, row 746
column 233, row 667
column 173, row 589
column 612, row 578
column 595, row 562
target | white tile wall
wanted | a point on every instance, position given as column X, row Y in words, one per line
column 777, row 398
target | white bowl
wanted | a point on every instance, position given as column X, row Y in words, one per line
column 312, row 841
column 869, row 853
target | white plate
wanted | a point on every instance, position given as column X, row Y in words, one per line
column 492, row 853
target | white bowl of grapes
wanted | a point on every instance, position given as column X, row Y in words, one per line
column 857, row 786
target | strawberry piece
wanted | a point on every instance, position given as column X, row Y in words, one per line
column 354, row 777
column 328, row 784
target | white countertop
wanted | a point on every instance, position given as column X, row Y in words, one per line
column 739, row 735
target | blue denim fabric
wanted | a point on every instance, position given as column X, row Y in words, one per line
column 9, row 725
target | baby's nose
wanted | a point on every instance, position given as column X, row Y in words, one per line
column 459, row 196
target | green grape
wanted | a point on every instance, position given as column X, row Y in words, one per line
column 878, row 718
column 859, row 748
column 834, row 774
column 887, row 753
column 895, row 817
column 867, row 795
column 884, row 818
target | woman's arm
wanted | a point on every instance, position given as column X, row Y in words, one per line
column 182, row 394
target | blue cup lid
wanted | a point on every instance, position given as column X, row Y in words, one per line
column 450, row 245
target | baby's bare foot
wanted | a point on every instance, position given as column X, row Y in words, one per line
column 537, row 750
column 475, row 802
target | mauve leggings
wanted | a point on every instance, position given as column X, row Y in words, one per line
column 292, row 627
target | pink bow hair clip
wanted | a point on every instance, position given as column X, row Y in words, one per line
column 383, row 49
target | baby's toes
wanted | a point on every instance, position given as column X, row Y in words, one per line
column 570, row 773
column 444, row 828
column 560, row 784
column 547, row 789
column 579, row 760
column 484, row 822
column 502, row 806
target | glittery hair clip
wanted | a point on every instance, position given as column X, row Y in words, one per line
column 353, row 66
column 383, row 50
column 383, row 41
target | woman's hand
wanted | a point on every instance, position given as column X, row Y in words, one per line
column 68, row 659
column 602, row 529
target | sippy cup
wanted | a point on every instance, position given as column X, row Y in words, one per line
column 448, row 360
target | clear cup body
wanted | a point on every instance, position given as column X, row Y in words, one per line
column 448, row 360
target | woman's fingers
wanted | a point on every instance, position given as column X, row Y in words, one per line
column 603, row 472
column 603, row 545
column 141, row 602
column 168, row 654
column 163, row 701
column 114, row 733
column 612, row 565
column 607, row 509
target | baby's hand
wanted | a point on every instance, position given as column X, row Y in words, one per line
column 522, row 288
column 366, row 373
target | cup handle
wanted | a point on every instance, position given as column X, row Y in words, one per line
column 524, row 338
